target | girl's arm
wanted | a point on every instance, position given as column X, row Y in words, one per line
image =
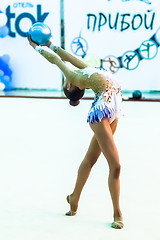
column 52, row 58
column 65, row 56
column 70, row 75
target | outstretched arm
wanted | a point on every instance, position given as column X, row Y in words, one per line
column 71, row 75
column 65, row 56
column 52, row 58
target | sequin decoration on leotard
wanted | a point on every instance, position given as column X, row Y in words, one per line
column 107, row 104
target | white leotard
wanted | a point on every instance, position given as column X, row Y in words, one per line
column 107, row 104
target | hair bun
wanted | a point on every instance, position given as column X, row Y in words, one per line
column 74, row 103
column 74, row 95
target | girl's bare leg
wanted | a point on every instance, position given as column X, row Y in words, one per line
column 84, row 170
column 83, row 173
column 104, row 136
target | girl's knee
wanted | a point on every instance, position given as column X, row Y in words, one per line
column 115, row 171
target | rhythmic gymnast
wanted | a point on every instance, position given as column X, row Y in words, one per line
column 102, row 118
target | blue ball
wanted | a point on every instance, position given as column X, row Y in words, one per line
column 137, row 94
column 40, row 33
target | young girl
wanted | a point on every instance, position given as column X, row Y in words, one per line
column 102, row 118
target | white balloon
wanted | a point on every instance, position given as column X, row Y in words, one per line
column 2, row 86
column 3, row 19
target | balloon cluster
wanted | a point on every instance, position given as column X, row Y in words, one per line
column 3, row 28
column 5, row 71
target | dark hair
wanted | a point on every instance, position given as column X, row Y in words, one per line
column 74, row 95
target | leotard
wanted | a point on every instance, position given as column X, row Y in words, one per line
column 108, row 103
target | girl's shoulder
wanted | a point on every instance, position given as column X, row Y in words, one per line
column 91, row 70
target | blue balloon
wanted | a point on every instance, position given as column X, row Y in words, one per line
column 4, row 31
column 40, row 33
column 6, row 78
column 1, row 73
column 5, row 72
column 5, row 58
column 5, row 67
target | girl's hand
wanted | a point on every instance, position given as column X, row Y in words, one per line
column 47, row 44
column 33, row 44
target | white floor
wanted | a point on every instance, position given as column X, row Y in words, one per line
column 42, row 143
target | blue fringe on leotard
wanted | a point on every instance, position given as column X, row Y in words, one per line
column 101, row 108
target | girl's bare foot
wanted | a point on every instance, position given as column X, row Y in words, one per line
column 73, row 206
column 118, row 223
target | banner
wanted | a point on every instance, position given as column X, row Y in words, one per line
column 122, row 36
column 29, row 69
